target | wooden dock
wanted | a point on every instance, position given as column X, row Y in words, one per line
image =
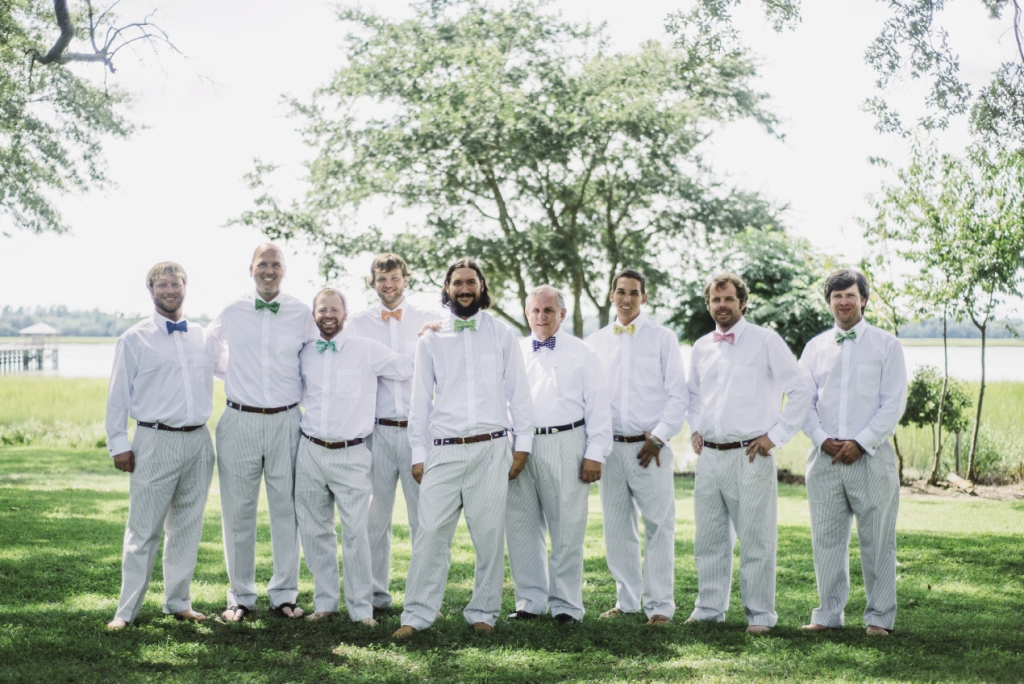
column 17, row 358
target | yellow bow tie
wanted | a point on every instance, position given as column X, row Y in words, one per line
column 385, row 315
column 619, row 329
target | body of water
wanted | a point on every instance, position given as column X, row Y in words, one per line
column 1004, row 363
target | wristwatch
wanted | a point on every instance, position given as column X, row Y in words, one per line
column 657, row 442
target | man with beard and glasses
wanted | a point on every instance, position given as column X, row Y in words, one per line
column 570, row 401
column 260, row 336
column 647, row 385
column 395, row 322
column 469, row 378
column 162, row 378
column 860, row 392
column 738, row 374
column 340, row 374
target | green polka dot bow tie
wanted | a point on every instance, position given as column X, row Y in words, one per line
column 322, row 346
column 840, row 336
column 465, row 325
column 273, row 306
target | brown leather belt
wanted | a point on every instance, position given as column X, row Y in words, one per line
column 725, row 446
column 334, row 445
column 392, row 423
column 256, row 409
column 559, row 428
column 628, row 439
column 470, row 440
column 168, row 428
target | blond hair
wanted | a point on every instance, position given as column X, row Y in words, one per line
column 330, row 291
column 165, row 268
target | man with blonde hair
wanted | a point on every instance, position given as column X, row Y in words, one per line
column 162, row 378
column 738, row 374
column 260, row 336
column 395, row 322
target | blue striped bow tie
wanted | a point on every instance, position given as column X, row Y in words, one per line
column 180, row 326
column 549, row 343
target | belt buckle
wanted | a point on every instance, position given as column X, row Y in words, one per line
column 553, row 431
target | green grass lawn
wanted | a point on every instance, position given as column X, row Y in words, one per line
column 62, row 516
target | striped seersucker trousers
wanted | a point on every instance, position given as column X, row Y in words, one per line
column 868, row 489
column 167, row 492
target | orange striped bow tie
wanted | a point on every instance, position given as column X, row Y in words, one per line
column 385, row 315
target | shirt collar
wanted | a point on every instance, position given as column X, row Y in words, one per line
column 161, row 321
column 450, row 322
column 380, row 305
column 534, row 338
column 737, row 329
column 637, row 322
column 337, row 339
column 862, row 325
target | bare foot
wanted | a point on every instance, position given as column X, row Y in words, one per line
column 368, row 622
column 404, row 632
column 116, row 624
column 611, row 614
column 320, row 615
column 693, row 619
column 874, row 630
column 190, row 616
column 235, row 613
column 290, row 610
column 815, row 627
column 659, row 620
column 482, row 627
column 758, row 629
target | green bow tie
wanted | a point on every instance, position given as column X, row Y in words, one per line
column 465, row 325
column 840, row 336
column 273, row 306
column 321, row 346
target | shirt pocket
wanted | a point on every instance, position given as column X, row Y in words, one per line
column 742, row 381
column 869, row 379
column 648, row 371
column 347, row 383
column 569, row 379
column 489, row 371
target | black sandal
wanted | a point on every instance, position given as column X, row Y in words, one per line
column 280, row 610
column 234, row 609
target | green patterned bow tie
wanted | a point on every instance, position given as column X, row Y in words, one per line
column 273, row 306
column 840, row 336
column 465, row 325
column 321, row 346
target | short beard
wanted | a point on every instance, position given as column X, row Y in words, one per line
column 163, row 308
column 465, row 311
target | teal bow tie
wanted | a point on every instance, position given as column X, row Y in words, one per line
column 321, row 346
column 465, row 325
column 840, row 336
column 273, row 306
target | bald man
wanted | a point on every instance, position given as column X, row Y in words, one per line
column 260, row 336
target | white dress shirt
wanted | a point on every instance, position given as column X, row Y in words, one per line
column 159, row 377
column 646, row 378
column 736, row 389
column 467, row 383
column 393, row 396
column 860, row 386
column 339, row 385
column 259, row 355
column 567, row 384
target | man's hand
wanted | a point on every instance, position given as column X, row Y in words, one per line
column 697, row 442
column 832, row 446
column 518, row 463
column 417, row 473
column 649, row 452
column 125, row 461
column 848, row 453
column 590, row 471
column 433, row 325
column 759, row 447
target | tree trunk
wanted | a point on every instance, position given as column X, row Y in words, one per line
column 937, row 443
column 972, row 473
column 604, row 314
column 899, row 455
column 959, row 434
column 577, row 306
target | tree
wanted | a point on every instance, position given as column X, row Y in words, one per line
column 786, row 278
column 938, row 403
column 521, row 141
column 52, row 121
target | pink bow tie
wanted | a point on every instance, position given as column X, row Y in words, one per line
column 717, row 337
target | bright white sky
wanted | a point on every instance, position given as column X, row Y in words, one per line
column 179, row 181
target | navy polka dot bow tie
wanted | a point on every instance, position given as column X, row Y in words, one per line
column 549, row 343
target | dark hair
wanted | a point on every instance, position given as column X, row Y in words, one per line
column 630, row 273
column 720, row 280
column 846, row 278
column 383, row 263
column 466, row 262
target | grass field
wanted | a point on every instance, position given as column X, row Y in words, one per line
column 62, row 516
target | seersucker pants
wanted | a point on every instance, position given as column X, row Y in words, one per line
column 549, row 497
column 626, row 487
column 392, row 461
column 471, row 478
column 869, row 489
column 167, row 492
column 733, row 497
column 252, row 447
column 325, row 478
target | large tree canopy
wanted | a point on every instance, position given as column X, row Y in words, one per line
column 522, row 140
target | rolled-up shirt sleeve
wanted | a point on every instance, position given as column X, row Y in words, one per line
column 421, row 401
column 892, row 401
column 795, row 382
column 119, row 398
column 517, row 393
